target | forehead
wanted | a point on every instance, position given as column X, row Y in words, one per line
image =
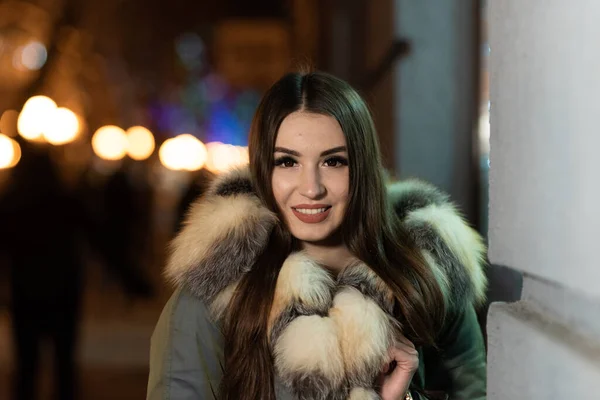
column 304, row 130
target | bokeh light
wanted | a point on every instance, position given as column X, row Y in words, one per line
column 244, row 156
column 218, row 155
column 33, row 55
column 140, row 143
column 110, row 143
column 35, row 117
column 10, row 152
column 222, row 157
column 193, row 151
column 183, row 153
column 167, row 154
column 63, row 127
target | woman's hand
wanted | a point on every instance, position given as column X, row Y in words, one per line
column 396, row 375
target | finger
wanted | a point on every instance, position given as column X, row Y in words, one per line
column 385, row 368
column 402, row 339
column 401, row 351
column 395, row 347
column 406, row 358
column 398, row 382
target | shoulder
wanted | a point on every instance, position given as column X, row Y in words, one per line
column 409, row 195
column 222, row 235
column 451, row 247
column 185, row 314
column 186, row 350
column 184, row 332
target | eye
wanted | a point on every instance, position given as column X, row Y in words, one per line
column 285, row 162
column 336, row 162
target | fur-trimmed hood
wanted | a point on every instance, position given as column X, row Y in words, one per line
column 329, row 335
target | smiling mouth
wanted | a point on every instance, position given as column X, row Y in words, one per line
column 309, row 211
column 311, row 215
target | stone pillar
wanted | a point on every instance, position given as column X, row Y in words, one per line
column 545, row 197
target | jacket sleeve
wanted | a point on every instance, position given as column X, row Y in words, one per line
column 455, row 253
column 459, row 366
column 186, row 352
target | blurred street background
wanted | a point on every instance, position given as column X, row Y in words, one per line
column 115, row 115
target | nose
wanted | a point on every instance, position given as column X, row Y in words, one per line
column 311, row 185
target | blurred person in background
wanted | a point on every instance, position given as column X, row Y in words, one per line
column 125, row 232
column 40, row 220
column 305, row 277
column 45, row 227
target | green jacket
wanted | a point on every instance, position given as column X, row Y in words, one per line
column 229, row 223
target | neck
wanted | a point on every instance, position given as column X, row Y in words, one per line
column 335, row 257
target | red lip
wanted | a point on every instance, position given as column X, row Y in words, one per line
column 311, row 218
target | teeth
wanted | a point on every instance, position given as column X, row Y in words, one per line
column 311, row 211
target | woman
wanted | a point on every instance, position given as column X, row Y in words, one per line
column 304, row 277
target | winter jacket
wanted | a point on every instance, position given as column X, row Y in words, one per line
column 329, row 335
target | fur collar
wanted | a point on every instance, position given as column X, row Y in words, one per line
column 329, row 336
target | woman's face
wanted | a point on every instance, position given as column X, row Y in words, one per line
column 311, row 177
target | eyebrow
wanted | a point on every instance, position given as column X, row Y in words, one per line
column 323, row 154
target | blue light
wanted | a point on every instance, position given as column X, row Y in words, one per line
column 224, row 127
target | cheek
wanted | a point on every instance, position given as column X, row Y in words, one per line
column 339, row 187
column 281, row 189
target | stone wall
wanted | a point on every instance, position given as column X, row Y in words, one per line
column 545, row 198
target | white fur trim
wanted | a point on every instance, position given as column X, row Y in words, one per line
column 209, row 221
column 438, row 272
column 365, row 331
column 301, row 278
column 221, row 301
column 363, row 394
column 234, row 174
column 310, row 344
column 461, row 239
column 397, row 190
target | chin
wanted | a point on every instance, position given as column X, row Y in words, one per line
column 312, row 234
column 310, row 237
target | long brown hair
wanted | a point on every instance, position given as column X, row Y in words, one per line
column 370, row 229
